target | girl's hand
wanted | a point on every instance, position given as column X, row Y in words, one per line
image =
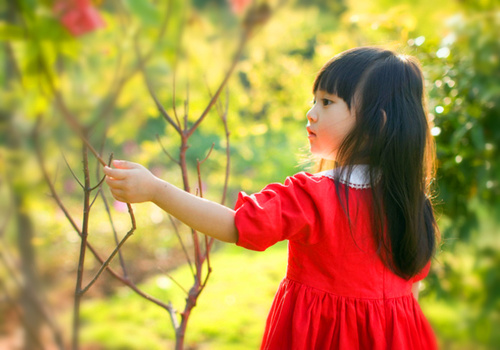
column 131, row 182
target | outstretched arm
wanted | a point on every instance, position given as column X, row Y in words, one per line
column 133, row 183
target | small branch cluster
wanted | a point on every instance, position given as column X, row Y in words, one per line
column 185, row 130
column 256, row 16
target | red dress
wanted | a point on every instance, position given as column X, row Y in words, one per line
column 337, row 293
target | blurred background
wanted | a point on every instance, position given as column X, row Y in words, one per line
column 71, row 67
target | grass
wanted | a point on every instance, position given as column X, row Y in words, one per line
column 230, row 314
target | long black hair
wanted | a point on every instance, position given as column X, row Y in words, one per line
column 392, row 135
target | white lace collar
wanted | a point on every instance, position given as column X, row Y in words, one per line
column 359, row 179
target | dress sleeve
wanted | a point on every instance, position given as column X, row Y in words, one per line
column 423, row 273
column 278, row 212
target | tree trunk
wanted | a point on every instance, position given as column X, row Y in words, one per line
column 24, row 224
column 31, row 281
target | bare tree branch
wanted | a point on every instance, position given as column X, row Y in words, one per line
column 186, row 108
column 165, row 150
column 176, row 230
column 83, row 248
column 173, row 95
column 41, row 162
column 174, row 73
column 223, row 117
column 160, row 107
column 122, row 279
column 71, row 170
column 113, row 94
column 115, row 234
column 177, row 283
column 105, row 264
column 98, row 184
column 243, row 40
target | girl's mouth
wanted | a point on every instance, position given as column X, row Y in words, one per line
column 310, row 133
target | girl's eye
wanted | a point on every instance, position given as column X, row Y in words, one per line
column 326, row 102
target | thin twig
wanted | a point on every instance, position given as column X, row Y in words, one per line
column 228, row 149
column 173, row 95
column 186, row 108
column 71, row 170
column 56, row 173
column 223, row 116
column 113, row 96
column 161, row 33
column 208, row 154
column 41, row 162
column 107, row 262
column 173, row 317
column 174, row 73
column 68, row 116
column 115, row 234
column 198, row 165
column 207, row 246
column 160, row 107
column 95, row 198
column 177, row 283
column 132, row 217
column 105, row 201
column 72, row 121
column 83, row 249
column 237, row 55
column 176, row 230
column 209, row 272
column 98, row 184
column 56, row 197
column 165, row 150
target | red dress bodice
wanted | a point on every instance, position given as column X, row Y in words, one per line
column 337, row 293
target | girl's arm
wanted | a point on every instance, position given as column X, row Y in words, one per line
column 132, row 183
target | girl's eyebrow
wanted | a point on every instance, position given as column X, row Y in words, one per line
column 324, row 94
column 330, row 96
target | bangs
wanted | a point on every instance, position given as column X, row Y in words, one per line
column 342, row 74
column 336, row 80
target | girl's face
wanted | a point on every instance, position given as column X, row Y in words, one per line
column 328, row 122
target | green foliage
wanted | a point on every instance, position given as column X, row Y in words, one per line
column 465, row 98
column 268, row 97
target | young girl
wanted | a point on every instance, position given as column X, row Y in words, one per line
column 361, row 234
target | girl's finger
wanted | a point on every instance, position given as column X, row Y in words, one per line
column 118, row 195
column 115, row 173
column 114, row 183
column 123, row 164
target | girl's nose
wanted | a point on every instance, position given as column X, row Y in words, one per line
column 311, row 117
